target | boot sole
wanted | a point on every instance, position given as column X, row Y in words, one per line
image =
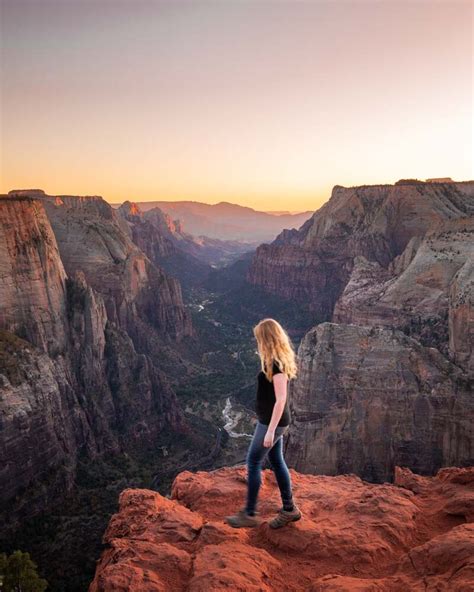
column 295, row 519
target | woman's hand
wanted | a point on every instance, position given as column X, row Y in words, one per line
column 268, row 440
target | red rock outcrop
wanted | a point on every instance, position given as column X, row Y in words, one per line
column 370, row 398
column 415, row 535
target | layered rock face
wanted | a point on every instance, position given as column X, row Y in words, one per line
column 428, row 290
column 32, row 276
column 374, row 259
column 75, row 377
column 313, row 265
column 93, row 239
column 165, row 243
column 370, row 398
column 415, row 535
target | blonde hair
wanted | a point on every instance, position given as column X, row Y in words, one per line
column 274, row 345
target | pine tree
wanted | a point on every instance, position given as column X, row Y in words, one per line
column 18, row 574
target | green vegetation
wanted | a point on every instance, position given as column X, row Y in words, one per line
column 18, row 574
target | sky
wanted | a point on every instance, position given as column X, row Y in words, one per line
column 268, row 104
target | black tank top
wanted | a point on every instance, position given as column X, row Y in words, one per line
column 266, row 400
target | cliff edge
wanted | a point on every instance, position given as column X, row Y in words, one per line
column 417, row 534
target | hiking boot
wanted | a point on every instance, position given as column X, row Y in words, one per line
column 242, row 519
column 284, row 517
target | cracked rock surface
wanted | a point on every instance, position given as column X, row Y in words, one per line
column 416, row 535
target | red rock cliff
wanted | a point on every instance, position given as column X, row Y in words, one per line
column 415, row 535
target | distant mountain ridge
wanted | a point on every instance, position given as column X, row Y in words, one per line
column 227, row 221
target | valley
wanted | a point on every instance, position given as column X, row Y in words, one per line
column 127, row 356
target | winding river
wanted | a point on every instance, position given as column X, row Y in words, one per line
column 231, row 419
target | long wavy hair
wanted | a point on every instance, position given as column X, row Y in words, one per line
column 274, row 345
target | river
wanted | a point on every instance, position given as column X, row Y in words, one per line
column 231, row 419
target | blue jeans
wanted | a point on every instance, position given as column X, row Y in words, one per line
column 255, row 456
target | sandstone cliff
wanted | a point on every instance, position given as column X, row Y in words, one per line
column 313, row 265
column 93, row 239
column 76, row 377
column 165, row 243
column 415, row 535
column 32, row 276
column 370, row 398
column 431, row 281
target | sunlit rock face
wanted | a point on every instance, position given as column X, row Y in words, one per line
column 427, row 291
column 32, row 276
column 370, row 398
column 73, row 379
column 382, row 224
column 93, row 238
column 414, row 535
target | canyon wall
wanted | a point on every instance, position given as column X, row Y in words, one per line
column 32, row 276
column 312, row 266
column 374, row 259
column 82, row 314
column 370, row 398
column 92, row 238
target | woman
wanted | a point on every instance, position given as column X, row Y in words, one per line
column 278, row 366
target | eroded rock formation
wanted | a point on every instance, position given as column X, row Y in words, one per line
column 415, row 535
column 429, row 284
column 79, row 329
column 374, row 259
column 370, row 398
column 93, row 239
column 32, row 276
column 384, row 225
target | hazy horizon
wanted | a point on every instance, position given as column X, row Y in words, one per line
column 263, row 104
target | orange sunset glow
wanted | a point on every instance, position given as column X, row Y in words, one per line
column 265, row 104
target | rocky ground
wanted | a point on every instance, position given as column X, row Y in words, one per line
column 417, row 535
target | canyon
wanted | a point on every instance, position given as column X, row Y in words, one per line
column 407, row 246
column 123, row 336
column 227, row 221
